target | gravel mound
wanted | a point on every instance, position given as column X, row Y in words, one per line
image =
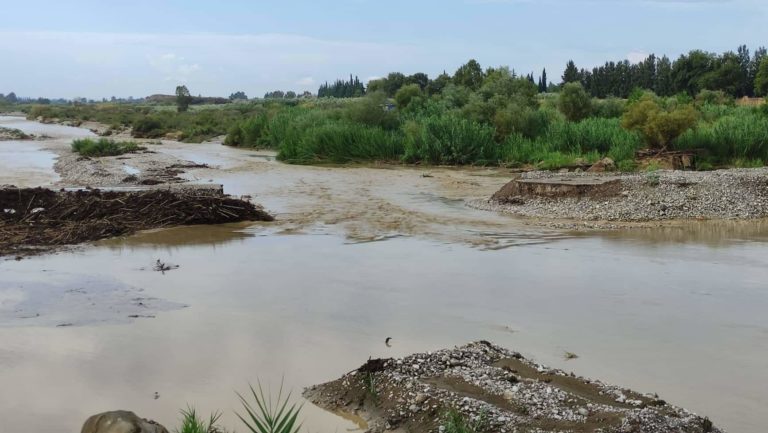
column 660, row 195
column 494, row 390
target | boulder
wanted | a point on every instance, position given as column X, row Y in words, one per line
column 120, row 421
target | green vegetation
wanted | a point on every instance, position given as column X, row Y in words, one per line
column 192, row 423
column 13, row 134
column 658, row 124
column 487, row 116
column 103, row 147
column 574, row 102
column 183, row 99
column 264, row 416
column 455, row 422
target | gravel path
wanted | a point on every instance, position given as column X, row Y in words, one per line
column 656, row 196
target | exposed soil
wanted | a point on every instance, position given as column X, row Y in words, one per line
column 37, row 219
column 498, row 391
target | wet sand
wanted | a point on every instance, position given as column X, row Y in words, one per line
column 680, row 312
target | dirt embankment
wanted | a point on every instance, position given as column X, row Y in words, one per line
column 494, row 390
column 35, row 220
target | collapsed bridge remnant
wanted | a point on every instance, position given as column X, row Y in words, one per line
column 589, row 186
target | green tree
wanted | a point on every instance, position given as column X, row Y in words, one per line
column 658, row 125
column 393, row 83
column 419, row 78
column 469, row 75
column 437, row 85
column 761, row 78
column 664, row 85
column 406, row 94
column 574, row 102
column 183, row 99
column 239, row 95
column 290, row 94
column 727, row 75
column 571, row 74
column 689, row 69
column 376, row 85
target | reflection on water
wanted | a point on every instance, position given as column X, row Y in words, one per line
column 25, row 163
column 686, row 321
column 713, row 233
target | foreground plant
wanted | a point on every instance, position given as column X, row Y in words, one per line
column 456, row 422
column 266, row 416
column 192, row 423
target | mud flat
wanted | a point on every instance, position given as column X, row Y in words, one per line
column 34, row 220
column 494, row 390
column 638, row 197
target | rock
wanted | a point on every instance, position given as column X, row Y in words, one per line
column 420, row 398
column 120, row 421
column 605, row 164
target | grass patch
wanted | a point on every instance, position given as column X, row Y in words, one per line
column 455, row 422
column 192, row 423
column 103, row 147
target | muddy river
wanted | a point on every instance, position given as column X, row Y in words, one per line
column 358, row 255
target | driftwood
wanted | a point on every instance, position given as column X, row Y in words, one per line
column 37, row 218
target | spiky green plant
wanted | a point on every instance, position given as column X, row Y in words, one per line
column 192, row 423
column 264, row 415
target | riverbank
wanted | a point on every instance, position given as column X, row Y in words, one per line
column 664, row 195
column 494, row 390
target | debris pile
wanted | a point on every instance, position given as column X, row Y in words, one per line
column 36, row 219
column 494, row 390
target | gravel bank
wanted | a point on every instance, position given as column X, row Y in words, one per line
column 498, row 391
column 656, row 196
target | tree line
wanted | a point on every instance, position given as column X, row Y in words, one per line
column 737, row 74
column 342, row 89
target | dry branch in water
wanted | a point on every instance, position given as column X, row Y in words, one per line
column 33, row 219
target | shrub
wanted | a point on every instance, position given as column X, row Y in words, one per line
column 147, row 127
column 658, row 126
column 406, row 94
column 610, row 108
column 103, row 147
column 574, row 102
column 249, row 133
column 370, row 110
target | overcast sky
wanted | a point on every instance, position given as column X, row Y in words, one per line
column 99, row 48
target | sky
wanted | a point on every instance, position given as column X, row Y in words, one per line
column 100, row 48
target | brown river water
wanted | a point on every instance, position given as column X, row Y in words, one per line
column 358, row 255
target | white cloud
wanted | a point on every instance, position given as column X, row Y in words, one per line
column 138, row 64
column 637, row 56
column 306, row 81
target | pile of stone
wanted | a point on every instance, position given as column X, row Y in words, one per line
column 658, row 195
column 494, row 390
